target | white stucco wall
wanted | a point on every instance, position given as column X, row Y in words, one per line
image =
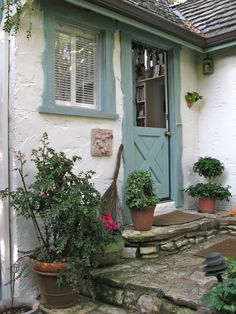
column 189, row 82
column 209, row 127
column 217, row 117
column 66, row 133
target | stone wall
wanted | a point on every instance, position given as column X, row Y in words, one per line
column 163, row 241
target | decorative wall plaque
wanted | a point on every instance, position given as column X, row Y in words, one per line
column 101, row 142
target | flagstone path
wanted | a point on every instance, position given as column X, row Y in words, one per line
column 165, row 284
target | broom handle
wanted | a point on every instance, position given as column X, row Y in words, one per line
column 116, row 172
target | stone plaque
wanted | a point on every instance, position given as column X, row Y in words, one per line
column 101, row 142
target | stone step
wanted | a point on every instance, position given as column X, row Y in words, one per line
column 158, row 272
column 167, row 240
column 87, row 306
column 169, row 284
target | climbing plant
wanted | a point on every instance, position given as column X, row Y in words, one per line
column 14, row 11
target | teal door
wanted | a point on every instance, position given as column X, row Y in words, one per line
column 151, row 149
column 150, row 129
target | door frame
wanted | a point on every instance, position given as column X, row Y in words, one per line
column 127, row 35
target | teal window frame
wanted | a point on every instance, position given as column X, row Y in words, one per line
column 53, row 13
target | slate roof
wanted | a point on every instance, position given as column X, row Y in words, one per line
column 209, row 17
column 158, row 7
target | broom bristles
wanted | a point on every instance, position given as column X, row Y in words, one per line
column 110, row 199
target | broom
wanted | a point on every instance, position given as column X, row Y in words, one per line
column 110, row 199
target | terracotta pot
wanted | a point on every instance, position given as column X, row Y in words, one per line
column 51, row 295
column 110, row 254
column 49, row 267
column 189, row 103
column 233, row 211
column 142, row 218
column 207, row 205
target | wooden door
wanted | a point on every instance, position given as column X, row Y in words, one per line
column 150, row 130
column 151, row 151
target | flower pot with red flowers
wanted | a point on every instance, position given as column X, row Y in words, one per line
column 110, row 253
column 141, row 199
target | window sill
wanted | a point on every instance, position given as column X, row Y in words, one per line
column 82, row 112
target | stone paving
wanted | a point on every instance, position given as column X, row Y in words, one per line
column 171, row 284
column 87, row 306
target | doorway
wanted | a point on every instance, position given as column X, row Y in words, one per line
column 151, row 115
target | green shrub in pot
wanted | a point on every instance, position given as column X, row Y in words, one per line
column 63, row 206
column 141, row 198
column 139, row 190
column 208, row 167
column 208, row 192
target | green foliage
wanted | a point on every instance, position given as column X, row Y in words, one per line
column 208, row 167
column 13, row 13
column 231, row 271
column 63, row 207
column 222, row 296
column 139, row 191
column 211, row 190
column 192, row 96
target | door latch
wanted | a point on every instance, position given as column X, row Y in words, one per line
column 168, row 134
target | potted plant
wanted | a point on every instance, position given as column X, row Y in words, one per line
column 191, row 98
column 63, row 207
column 209, row 192
column 111, row 252
column 141, row 198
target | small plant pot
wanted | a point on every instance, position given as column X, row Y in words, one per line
column 142, row 218
column 189, row 103
column 207, row 205
column 110, row 254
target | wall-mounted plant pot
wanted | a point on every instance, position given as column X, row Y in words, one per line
column 207, row 205
column 190, row 103
column 142, row 218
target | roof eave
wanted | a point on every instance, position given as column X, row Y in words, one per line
column 220, row 39
column 142, row 15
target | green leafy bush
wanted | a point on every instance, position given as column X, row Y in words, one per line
column 222, row 296
column 139, row 190
column 63, row 206
column 208, row 167
column 211, row 190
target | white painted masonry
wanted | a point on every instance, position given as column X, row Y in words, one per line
column 66, row 133
column 209, row 127
column 217, row 117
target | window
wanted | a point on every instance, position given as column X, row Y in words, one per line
column 78, row 63
column 76, row 68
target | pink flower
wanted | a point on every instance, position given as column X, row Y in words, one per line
column 110, row 225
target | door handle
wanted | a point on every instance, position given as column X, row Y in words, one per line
column 168, row 134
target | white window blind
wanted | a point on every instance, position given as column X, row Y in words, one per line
column 76, row 68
